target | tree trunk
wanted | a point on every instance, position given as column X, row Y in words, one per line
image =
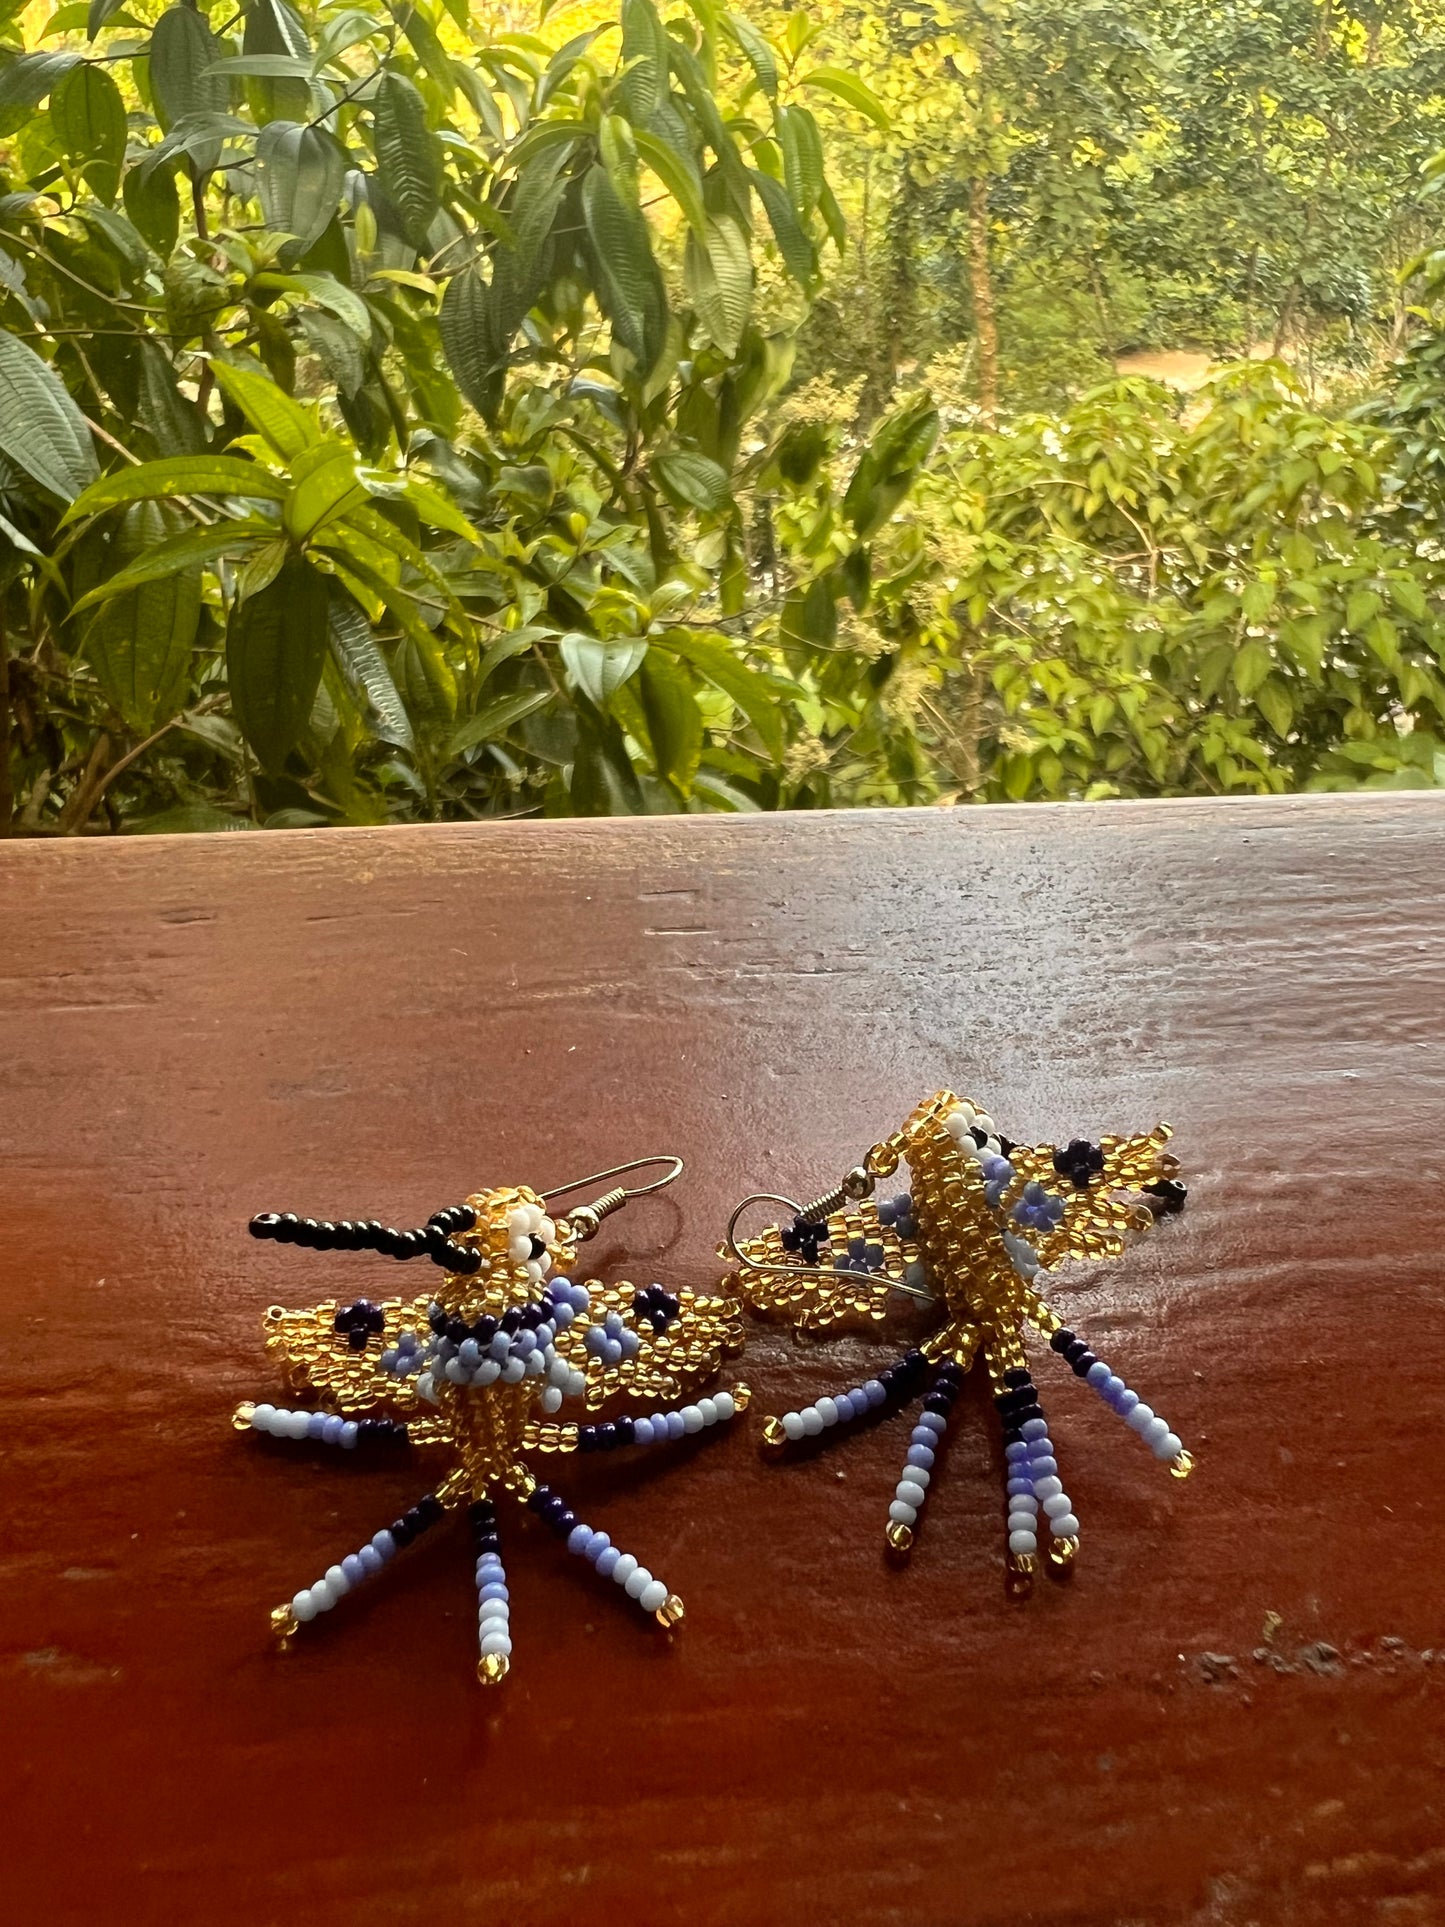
column 980, row 276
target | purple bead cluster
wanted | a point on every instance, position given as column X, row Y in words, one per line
column 898, row 1212
column 657, row 1306
column 806, row 1236
column 998, row 1175
column 612, row 1340
column 1080, row 1162
column 1037, row 1209
column 515, row 1344
column 359, row 1320
column 598, row 1550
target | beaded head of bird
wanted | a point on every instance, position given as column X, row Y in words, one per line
column 477, row 1369
column 983, row 1222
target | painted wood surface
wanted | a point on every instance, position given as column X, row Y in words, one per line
column 1233, row 1714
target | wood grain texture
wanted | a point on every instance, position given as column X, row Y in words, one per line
column 375, row 1021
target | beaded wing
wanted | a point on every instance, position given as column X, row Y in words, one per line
column 984, row 1222
column 479, row 1370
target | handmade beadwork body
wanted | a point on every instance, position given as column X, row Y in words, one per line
column 476, row 1371
column 984, row 1218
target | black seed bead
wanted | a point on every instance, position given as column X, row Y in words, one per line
column 456, row 1329
column 624, row 1431
column 936, row 1403
column 586, row 1438
column 606, row 1435
column 285, row 1231
column 431, row 1508
column 512, row 1319
column 562, row 1522
column 1074, row 1348
column 1016, row 1375
column 265, row 1224
column 307, row 1231
column 401, row 1532
column 1083, row 1363
column 375, row 1233
column 1027, row 1412
column 356, row 1338
column 915, row 1360
column 538, row 1246
column 436, row 1318
column 466, row 1217
column 340, row 1322
column 538, row 1496
column 1062, row 1339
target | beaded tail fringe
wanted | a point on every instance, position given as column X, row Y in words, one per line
column 984, row 1219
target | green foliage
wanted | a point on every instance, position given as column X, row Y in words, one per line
column 404, row 416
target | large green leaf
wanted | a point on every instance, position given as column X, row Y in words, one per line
column 802, row 157
column 756, row 693
column 154, row 206
column 853, row 92
column 285, row 424
column 680, row 177
column 471, row 339
column 760, row 56
column 274, row 32
column 25, row 82
column 139, row 644
column 644, row 53
column 629, row 281
column 301, row 172
column 275, row 647
column 597, row 668
column 88, row 115
column 174, row 475
column 691, row 480
column 674, row 721
column 180, row 552
column 719, row 278
column 408, row 158
column 495, row 718
column 325, row 484
column 184, row 55
column 359, row 656
column 800, row 257
column 174, row 422
column 41, row 429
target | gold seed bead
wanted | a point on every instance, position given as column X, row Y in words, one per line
column 742, row 1396
column 1181, row 1467
column 670, row 1612
column 492, row 1668
column 241, row 1417
column 1062, row 1553
column 1020, row 1580
column 284, row 1623
column 899, row 1536
column 774, row 1437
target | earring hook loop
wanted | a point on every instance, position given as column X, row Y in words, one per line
column 620, row 1170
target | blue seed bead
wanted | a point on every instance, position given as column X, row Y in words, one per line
column 922, row 1435
column 371, row 1560
column 596, row 1545
column 676, row 1425
column 844, row 1406
column 1044, row 1468
column 578, row 1537
column 876, row 1390
column 316, row 1424
column 842, row 1264
column 920, row 1455
column 494, row 1589
column 903, row 1205
column 642, row 1431
column 384, row 1543
column 470, row 1354
column 350, row 1433
column 1020, row 1488
column 933, row 1422
column 606, row 1560
column 887, row 1211
column 354, row 1570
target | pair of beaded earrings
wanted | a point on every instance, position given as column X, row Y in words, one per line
column 479, row 1368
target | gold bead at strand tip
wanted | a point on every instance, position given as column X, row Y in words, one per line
column 899, row 1536
column 492, row 1668
column 670, row 1613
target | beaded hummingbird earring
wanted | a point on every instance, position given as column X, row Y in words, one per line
column 477, row 1369
column 983, row 1219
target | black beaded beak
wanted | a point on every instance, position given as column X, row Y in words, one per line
column 436, row 1239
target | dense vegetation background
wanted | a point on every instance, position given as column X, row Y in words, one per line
column 418, row 410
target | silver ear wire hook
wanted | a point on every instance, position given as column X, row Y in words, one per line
column 587, row 1217
column 813, row 1212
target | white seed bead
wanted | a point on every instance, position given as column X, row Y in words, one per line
column 692, row 1420
column 918, row 1474
column 519, row 1250
column 519, row 1219
column 708, row 1408
column 904, row 1514
column 304, row 1606
column 552, row 1399
column 827, row 1410
column 1169, row 1447
column 1046, row 1488
column 497, row 1642
column 338, row 1581
column 1139, row 1417
column 262, row 1416
column 792, row 1423
column 1058, row 1506
column 1065, row 1528
column 493, row 1609
column 726, row 1404
column 812, row 1422
column 983, row 1122
column 1156, row 1429
column 1022, row 1541
column 624, row 1569
column 637, row 1582
column 322, row 1596
column 910, row 1493
column 298, row 1425
column 1022, row 1521
column 653, row 1596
